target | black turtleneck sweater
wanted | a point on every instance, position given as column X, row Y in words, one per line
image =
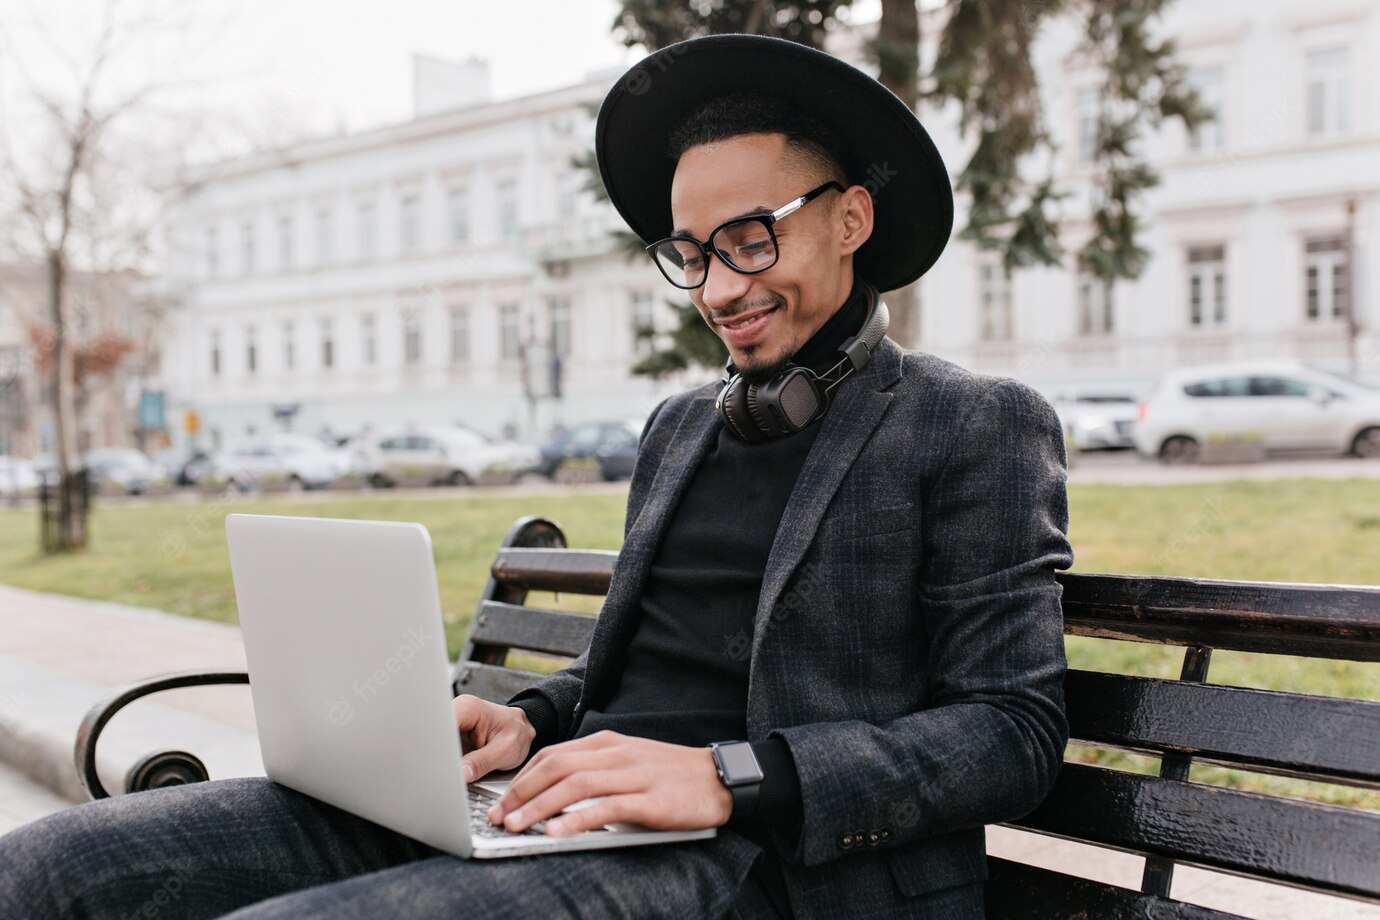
column 685, row 672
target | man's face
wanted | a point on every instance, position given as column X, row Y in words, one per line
column 764, row 318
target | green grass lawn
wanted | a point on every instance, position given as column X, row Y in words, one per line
column 172, row 556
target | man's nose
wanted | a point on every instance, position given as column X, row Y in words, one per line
column 722, row 285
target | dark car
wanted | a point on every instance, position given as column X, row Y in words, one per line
column 593, row 450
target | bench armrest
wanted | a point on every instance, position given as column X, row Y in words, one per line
column 160, row 769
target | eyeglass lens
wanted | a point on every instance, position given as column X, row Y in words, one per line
column 747, row 245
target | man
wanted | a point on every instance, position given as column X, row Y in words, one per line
column 847, row 588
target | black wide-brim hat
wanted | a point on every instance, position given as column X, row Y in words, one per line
column 894, row 157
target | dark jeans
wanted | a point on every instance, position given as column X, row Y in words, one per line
column 253, row 849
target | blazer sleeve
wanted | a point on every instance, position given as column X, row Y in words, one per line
column 994, row 521
column 550, row 703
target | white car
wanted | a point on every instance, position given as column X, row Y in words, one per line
column 445, row 455
column 1281, row 405
column 124, row 469
column 272, row 462
column 17, row 477
column 1098, row 421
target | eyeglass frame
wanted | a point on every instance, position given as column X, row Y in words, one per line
column 768, row 220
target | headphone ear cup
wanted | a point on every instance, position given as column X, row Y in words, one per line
column 751, row 397
column 734, row 410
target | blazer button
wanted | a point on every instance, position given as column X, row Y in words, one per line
column 873, row 838
column 885, row 833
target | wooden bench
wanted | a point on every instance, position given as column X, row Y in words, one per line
column 1166, row 818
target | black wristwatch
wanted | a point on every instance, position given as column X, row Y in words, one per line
column 741, row 773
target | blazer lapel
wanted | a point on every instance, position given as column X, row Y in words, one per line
column 850, row 421
column 698, row 427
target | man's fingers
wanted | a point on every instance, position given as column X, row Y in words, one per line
column 615, row 808
column 539, row 775
column 572, row 789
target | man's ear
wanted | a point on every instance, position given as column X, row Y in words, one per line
column 856, row 214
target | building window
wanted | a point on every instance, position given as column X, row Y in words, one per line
column 1094, row 305
column 410, row 223
column 1209, row 136
column 1207, row 286
column 289, row 346
column 368, row 340
column 246, row 248
column 368, row 231
column 212, row 253
column 995, row 297
column 412, row 338
column 458, row 206
column 459, row 335
column 215, row 353
column 1089, row 122
column 325, row 236
column 251, row 350
column 327, row 343
column 560, row 327
column 1327, row 91
column 567, row 191
column 505, row 193
column 509, row 335
column 1324, row 271
column 285, row 243
column 644, row 324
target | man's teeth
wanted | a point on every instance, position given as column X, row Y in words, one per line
column 741, row 323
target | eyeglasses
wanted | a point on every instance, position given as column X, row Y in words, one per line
column 745, row 244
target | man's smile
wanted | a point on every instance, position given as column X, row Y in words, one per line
column 745, row 329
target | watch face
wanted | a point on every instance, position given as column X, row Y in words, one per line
column 739, row 764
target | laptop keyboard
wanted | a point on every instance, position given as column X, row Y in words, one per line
column 481, row 800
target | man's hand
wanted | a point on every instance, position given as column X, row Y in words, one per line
column 665, row 786
column 496, row 737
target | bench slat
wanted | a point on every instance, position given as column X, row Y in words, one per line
column 1303, row 843
column 556, row 632
column 577, row 571
column 1016, row 891
column 492, row 682
column 1321, row 621
column 1294, row 734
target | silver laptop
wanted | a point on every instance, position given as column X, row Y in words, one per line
column 350, row 678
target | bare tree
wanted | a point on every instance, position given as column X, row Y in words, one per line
column 60, row 194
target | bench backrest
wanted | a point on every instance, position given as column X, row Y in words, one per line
column 1188, row 721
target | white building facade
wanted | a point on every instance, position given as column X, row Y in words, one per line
column 452, row 268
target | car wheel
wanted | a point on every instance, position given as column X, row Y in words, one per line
column 1367, row 444
column 1179, row 450
column 459, row 478
column 380, row 481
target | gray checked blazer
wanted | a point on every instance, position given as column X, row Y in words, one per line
column 908, row 642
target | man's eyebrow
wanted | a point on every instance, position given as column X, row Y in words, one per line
column 759, row 210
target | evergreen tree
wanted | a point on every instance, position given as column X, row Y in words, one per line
column 984, row 65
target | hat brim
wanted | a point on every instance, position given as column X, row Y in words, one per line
column 912, row 196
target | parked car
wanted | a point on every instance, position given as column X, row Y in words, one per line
column 1098, row 421
column 122, row 469
column 276, row 462
column 445, row 455
column 1281, row 405
column 185, row 467
column 342, row 461
column 603, row 449
column 17, row 477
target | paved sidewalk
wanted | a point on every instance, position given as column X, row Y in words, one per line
column 59, row 655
